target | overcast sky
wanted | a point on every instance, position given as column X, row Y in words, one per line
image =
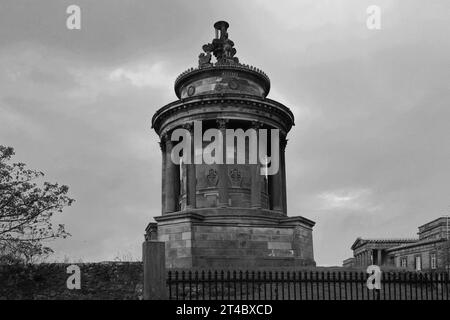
column 368, row 156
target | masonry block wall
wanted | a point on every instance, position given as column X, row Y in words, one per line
column 178, row 242
column 192, row 243
column 248, row 246
column 105, row 281
column 424, row 251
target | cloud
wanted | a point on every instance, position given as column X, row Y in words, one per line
column 155, row 75
column 356, row 199
column 367, row 156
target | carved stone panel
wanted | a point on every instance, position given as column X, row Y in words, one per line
column 212, row 178
column 235, row 177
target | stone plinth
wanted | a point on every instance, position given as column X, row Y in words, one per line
column 229, row 237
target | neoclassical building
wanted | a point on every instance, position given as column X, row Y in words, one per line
column 219, row 215
column 429, row 251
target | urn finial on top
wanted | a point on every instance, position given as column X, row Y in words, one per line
column 221, row 47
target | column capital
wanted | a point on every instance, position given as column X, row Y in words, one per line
column 283, row 142
column 222, row 123
column 163, row 141
column 256, row 125
column 164, row 137
column 162, row 145
column 188, row 126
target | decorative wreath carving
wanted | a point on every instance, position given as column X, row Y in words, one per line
column 236, row 177
column 212, row 178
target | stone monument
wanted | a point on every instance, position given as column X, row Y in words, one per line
column 226, row 215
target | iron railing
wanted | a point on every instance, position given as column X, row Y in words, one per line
column 304, row 285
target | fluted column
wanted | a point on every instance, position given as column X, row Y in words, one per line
column 162, row 145
column 276, row 189
column 172, row 180
column 223, row 174
column 191, row 183
column 255, row 174
column 283, row 143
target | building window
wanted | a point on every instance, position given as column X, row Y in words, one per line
column 403, row 262
column 418, row 263
column 433, row 261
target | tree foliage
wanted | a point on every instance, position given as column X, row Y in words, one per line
column 26, row 209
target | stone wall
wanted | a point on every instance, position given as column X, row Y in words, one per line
column 434, row 230
column 246, row 246
column 244, row 241
column 178, row 244
column 106, row 281
column 111, row 280
column 424, row 251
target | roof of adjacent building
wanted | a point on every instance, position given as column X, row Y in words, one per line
column 436, row 223
column 415, row 244
column 360, row 241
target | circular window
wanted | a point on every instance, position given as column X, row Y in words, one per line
column 190, row 90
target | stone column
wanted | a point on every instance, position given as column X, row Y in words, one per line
column 276, row 189
column 256, row 174
column 191, row 179
column 162, row 145
column 172, row 180
column 379, row 262
column 223, row 174
column 283, row 143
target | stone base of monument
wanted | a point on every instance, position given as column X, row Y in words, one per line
column 200, row 238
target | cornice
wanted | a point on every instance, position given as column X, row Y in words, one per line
column 270, row 106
